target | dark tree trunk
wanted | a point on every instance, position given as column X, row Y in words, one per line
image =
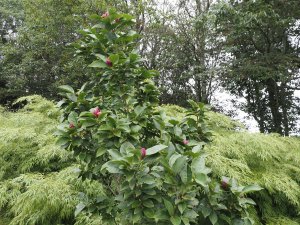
column 260, row 109
column 283, row 101
column 274, row 105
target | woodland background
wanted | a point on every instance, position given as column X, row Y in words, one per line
column 248, row 48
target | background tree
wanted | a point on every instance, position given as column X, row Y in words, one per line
column 11, row 17
column 179, row 42
column 263, row 39
column 38, row 59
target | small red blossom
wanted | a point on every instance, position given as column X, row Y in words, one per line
column 225, row 183
column 108, row 62
column 104, row 15
column 71, row 125
column 117, row 20
column 185, row 142
column 143, row 152
column 96, row 112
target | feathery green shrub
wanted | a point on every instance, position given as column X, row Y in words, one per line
column 269, row 160
column 26, row 140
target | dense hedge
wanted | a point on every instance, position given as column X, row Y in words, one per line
column 37, row 178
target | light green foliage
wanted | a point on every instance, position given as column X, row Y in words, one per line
column 29, row 133
column 39, row 199
column 44, row 199
column 283, row 220
column 217, row 122
column 269, row 160
column 49, row 194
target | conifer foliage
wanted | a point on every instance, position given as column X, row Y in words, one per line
column 152, row 167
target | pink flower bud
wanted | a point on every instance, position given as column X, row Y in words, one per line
column 108, row 62
column 96, row 112
column 185, row 142
column 143, row 152
column 71, row 125
column 225, row 184
column 104, row 15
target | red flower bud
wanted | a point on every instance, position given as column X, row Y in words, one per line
column 96, row 112
column 185, row 142
column 104, row 15
column 225, row 184
column 117, row 20
column 108, row 62
column 143, row 152
column 71, row 125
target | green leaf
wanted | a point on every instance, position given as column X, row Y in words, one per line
column 191, row 214
column 86, row 114
column 149, row 213
column 150, row 192
column 186, row 221
column 213, row 218
column 62, row 141
column 169, row 206
column 98, row 64
column 179, row 164
column 148, row 203
column 79, row 208
column 147, row 179
column 139, row 109
column 126, row 147
column 100, row 152
column 177, row 131
column 173, row 159
column 72, row 97
column 198, row 148
column 111, row 167
column 205, row 211
column 135, row 128
column 198, row 166
column 114, row 154
column 114, row 58
column 202, row 179
column 155, row 149
column 102, row 57
column 159, row 123
column 67, row 88
column 87, row 122
column 251, row 188
column 193, row 104
column 182, row 207
column 72, row 118
column 136, row 218
column 176, row 220
column 243, row 201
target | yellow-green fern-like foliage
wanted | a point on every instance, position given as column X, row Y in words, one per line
column 39, row 185
column 26, row 140
column 38, row 180
column 271, row 161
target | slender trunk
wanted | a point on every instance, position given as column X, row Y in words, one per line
column 283, row 101
column 260, row 114
column 274, row 105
